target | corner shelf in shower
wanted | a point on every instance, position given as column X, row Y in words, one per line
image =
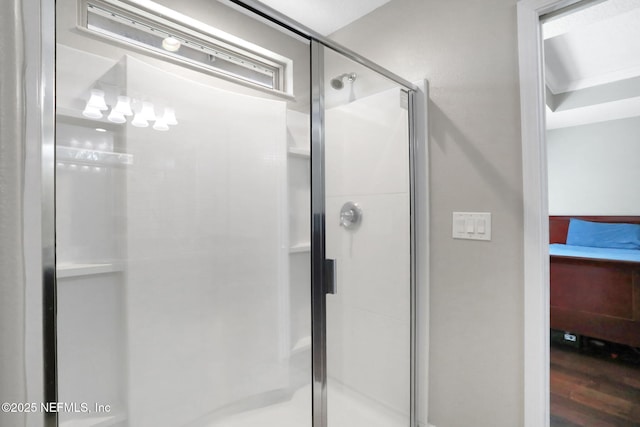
column 303, row 153
column 300, row 247
column 65, row 270
column 90, row 156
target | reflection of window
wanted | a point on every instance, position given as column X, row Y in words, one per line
column 215, row 52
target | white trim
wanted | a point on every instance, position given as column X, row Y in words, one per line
column 422, row 248
column 535, row 200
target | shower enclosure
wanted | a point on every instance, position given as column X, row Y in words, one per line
column 234, row 222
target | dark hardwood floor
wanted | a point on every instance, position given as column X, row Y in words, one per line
column 594, row 388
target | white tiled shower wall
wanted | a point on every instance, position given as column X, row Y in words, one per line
column 206, row 301
column 369, row 318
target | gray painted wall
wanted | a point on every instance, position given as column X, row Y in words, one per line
column 593, row 169
column 468, row 51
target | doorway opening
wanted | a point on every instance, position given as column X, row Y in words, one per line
column 577, row 106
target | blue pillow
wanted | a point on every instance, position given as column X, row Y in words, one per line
column 603, row 234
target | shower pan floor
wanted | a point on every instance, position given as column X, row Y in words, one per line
column 346, row 409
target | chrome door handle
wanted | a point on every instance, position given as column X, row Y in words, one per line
column 331, row 276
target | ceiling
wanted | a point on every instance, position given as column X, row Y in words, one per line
column 592, row 55
column 592, row 64
column 324, row 16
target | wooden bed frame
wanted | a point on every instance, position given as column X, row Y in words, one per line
column 596, row 298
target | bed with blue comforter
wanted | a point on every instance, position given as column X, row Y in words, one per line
column 605, row 254
column 595, row 277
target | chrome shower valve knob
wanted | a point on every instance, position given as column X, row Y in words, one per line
column 350, row 215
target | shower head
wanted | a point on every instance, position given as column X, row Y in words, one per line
column 338, row 83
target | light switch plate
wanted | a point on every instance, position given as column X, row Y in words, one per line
column 471, row 225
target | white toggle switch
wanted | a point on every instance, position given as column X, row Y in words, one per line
column 471, row 225
column 480, row 226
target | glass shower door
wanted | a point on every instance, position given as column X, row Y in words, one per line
column 368, row 234
column 182, row 197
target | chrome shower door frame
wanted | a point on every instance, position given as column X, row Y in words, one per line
column 318, row 240
column 46, row 90
column 320, row 279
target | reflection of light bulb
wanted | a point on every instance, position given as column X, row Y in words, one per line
column 139, row 121
column 123, row 106
column 171, row 44
column 160, row 125
column 97, row 100
column 147, row 111
column 170, row 116
column 116, row 116
column 92, row 112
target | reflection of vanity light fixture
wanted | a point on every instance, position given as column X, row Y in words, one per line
column 123, row 106
column 95, row 105
column 147, row 111
column 170, row 116
column 139, row 120
column 160, row 125
column 97, row 100
column 171, row 44
column 122, row 109
column 116, row 117
column 92, row 112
